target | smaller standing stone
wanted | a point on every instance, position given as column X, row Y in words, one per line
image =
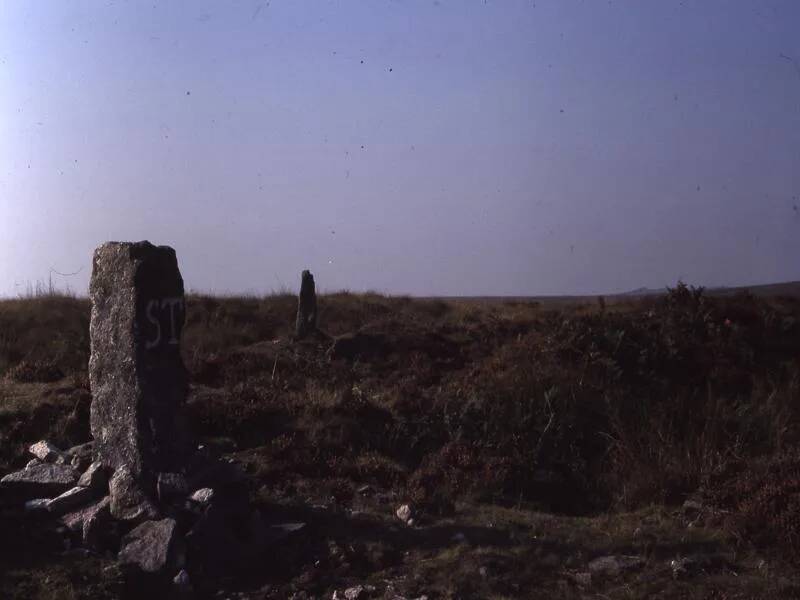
column 306, row 306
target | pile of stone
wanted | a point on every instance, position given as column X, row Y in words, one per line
column 139, row 489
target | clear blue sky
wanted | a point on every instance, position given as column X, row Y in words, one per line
column 437, row 147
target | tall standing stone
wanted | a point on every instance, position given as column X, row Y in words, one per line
column 306, row 306
column 137, row 377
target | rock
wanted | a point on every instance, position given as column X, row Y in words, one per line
column 153, row 546
column 404, row 513
column 81, row 455
column 306, row 306
column 36, row 505
column 202, row 496
column 171, row 485
column 182, row 582
column 614, row 565
column 90, row 522
column 128, row 501
column 355, row 593
column 39, row 481
column 95, row 477
column 77, row 496
column 136, row 374
column 46, row 452
column 32, row 463
column 681, row 567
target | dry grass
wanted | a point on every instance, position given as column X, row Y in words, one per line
column 579, row 411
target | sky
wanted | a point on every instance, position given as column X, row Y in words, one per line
column 444, row 147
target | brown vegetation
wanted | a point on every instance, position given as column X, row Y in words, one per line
column 607, row 412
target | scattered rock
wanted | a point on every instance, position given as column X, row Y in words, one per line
column 182, row 582
column 202, row 496
column 153, row 546
column 39, row 481
column 95, row 477
column 81, row 455
column 37, row 505
column 136, row 374
column 355, row 593
column 90, row 522
column 46, row 452
column 171, row 485
column 614, row 565
column 404, row 513
column 682, row 567
column 77, row 496
column 128, row 501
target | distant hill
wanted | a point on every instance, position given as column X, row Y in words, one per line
column 789, row 288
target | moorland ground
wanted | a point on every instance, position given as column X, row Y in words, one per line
column 529, row 439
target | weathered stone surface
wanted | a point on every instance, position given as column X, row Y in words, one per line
column 614, row 565
column 81, row 455
column 32, row 463
column 128, row 501
column 95, row 477
column 39, row 481
column 202, row 496
column 46, row 452
column 171, row 485
column 36, row 505
column 153, row 546
column 69, row 500
column 404, row 513
column 306, row 306
column 90, row 521
column 137, row 378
